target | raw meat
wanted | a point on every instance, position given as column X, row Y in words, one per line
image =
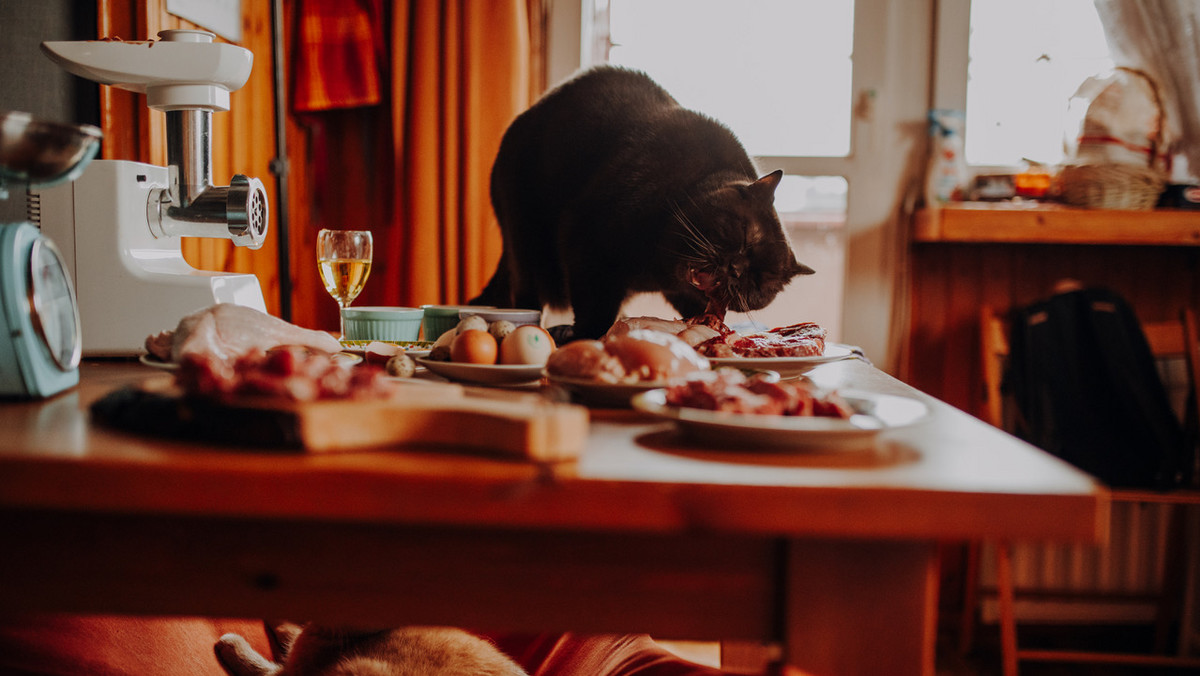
column 290, row 373
column 226, row 331
column 731, row 391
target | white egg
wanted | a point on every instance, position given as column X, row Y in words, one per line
column 526, row 344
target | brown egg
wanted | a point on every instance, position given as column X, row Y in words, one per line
column 473, row 346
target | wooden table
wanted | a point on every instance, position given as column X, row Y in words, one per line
column 831, row 556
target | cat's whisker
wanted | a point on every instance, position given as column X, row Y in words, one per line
column 700, row 244
column 691, row 228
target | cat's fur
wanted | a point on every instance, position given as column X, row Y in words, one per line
column 326, row 651
column 607, row 187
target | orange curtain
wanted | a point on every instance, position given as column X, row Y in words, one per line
column 414, row 169
column 461, row 72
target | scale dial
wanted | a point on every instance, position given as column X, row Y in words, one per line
column 55, row 314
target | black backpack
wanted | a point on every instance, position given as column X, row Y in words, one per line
column 1086, row 388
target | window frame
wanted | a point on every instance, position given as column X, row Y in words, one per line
column 891, row 84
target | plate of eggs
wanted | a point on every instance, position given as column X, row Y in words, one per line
column 490, row 353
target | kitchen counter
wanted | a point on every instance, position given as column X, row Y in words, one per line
column 830, row 555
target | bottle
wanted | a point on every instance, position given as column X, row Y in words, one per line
column 947, row 178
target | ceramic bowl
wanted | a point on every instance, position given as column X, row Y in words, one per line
column 382, row 323
column 516, row 316
column 441, row 318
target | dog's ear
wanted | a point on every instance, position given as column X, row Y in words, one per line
column 238, row 658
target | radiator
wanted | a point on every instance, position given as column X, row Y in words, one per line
column 1072, row 583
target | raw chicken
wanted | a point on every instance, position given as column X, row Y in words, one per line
column 228, row 331
column 624, row 326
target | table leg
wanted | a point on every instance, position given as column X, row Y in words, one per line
column 856, row 607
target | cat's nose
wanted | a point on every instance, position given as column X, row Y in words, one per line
column 737, row 267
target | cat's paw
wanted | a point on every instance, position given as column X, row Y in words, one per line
column 238, row 658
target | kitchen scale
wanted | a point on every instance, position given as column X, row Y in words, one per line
column 40, row 343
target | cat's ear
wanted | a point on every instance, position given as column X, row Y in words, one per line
column 799, row 268
column 767, row 184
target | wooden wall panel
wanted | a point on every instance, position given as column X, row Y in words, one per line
column 952, row 281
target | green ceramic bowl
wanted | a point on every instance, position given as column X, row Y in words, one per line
column 382, row 323
column 441, row 318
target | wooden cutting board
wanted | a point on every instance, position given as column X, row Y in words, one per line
column 516, row 425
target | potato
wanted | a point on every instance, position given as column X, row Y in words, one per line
column 445, row 339
column 401, row 366
column 472, row 322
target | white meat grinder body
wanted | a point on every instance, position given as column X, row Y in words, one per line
column 119, row 224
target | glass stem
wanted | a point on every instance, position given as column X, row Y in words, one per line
column 342, row 320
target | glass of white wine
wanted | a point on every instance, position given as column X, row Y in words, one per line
column 344, row 259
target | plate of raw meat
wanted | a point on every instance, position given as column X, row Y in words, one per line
column 734, row 411
column 786, row 366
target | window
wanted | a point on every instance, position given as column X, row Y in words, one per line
column 748, row 64
column 841, row 208
column 1027, row 57
column 777, row 72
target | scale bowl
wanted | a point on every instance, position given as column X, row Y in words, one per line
column 38, row 152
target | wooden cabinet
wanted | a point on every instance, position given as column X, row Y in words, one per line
column 962, row 257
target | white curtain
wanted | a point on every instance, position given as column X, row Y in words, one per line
column 1162, row 38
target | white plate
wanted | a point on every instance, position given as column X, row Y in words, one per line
column 876, row 413
column 484, row 374
column 596, row 393
column 155, row 362
column 413, row 348
column 785, row 366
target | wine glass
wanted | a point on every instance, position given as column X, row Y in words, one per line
column 344, row 260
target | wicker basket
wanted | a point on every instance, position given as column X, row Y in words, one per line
column 1111, row 186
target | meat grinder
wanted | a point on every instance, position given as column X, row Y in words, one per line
column 119, row 224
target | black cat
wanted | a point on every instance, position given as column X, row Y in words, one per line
column 607, row 187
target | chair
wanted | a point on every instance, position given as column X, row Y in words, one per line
column 1169, row 339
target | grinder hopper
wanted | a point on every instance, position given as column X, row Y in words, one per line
column 118, row 225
